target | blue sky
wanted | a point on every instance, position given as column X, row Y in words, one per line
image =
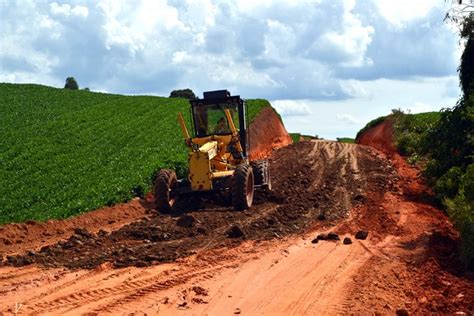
column 327, row 66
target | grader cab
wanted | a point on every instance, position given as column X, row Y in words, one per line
column 218, row 154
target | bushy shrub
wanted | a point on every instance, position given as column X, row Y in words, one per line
column 71, row 83
column 461, row 210
column 184, row 93
column 448, row 185
column 411, row 130
column 407, row 143
column 295, row 137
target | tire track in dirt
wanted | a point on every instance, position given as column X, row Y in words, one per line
column 105, row 290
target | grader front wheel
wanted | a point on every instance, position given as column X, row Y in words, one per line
column 242, row 187
column 164, row 190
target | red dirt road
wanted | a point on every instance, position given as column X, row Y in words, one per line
column 407, row 262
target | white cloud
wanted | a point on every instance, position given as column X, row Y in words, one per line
column 355, row 89
column 80, row 11
column 271, row 49
column 347, row 118
column 67, row 10
column 291, row 107
column 56, row 9
column 420, row 107
column 353, row 40
column 399, row 12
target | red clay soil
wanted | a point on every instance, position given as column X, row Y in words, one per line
column 17, row 238
column 244, row 264
column 416, row 265
column 306, row 195
column 264, row 260
column 267, row 133
column 380, row 137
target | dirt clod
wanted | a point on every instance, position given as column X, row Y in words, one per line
column 234, row 232
column 361, row 234
column 333, row 236
column 83, row 233
column 199, row 290
column 401, row 312
column 322, row 237
column 186, row 221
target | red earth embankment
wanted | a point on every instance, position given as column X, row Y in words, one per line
column 380, row 137
column 267, row 133
column 418, row 267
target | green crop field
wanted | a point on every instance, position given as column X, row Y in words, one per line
column 64, row 152
column 347, row 140
column 295, row 137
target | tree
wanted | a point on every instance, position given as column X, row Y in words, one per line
column 184, row 93
column 466, row 69
column 450, row 144
column 71, row 83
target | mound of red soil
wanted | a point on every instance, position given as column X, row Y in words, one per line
column 267, row 133
column 380, row 137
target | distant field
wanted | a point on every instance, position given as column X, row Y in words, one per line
column 63, row 152
column 346, row 140
column 295, row 137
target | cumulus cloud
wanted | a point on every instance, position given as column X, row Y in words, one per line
column 66, row 9
column 399, row 12
column 347, row 118
column 420, row 107
column 418, row 44
column 291, row 107
column 272, row 49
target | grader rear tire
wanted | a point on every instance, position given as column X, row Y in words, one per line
column 163, row 190
column 242, row 187
column 261, row 173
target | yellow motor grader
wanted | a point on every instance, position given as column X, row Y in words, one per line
column 218, row 155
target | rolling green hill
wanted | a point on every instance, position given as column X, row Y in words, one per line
column 64, row 152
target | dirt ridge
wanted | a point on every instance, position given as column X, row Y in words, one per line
column 266, row 134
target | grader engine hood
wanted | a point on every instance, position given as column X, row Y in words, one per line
column 209, row 148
